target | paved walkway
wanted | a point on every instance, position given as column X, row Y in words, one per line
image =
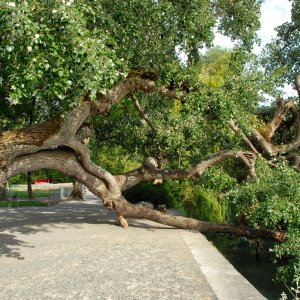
column 76, row 250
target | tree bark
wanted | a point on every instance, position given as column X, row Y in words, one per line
column 128, row 210
column 76, row 193
column 3, row 183
column 150, row 171
column 3, row 196
column 29, row 185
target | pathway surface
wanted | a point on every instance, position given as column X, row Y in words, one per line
column 77, row 250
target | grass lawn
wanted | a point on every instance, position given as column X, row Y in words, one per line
column 22, row 203
column 24, row 195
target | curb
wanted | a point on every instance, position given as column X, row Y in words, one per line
column 226, row 282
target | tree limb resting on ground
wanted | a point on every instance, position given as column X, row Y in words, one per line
column 55, row 145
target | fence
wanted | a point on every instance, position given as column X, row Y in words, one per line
column 55, row 196
column 62, row 191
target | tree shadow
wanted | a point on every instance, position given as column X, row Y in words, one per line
column 31, row 220
column 15, row 222
column 9, row 246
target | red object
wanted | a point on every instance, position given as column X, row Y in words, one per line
column 43, row 180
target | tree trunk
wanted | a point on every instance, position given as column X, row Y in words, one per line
column 76, row 193
column 29, row 186
column 3, row 183
column 125, row 210
column 3, row 196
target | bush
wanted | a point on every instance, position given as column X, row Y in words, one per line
column 203, row 204
column 197, row 202
column 272, row 201
column 148, row 192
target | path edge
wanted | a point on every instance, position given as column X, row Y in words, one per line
column 226, row 282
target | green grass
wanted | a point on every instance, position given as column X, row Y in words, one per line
column 22, row 203
column 24, row 194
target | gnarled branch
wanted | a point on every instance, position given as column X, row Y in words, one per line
column 128, row 210
column 238, row 131
column 270, row 149
column 65, row 161
column 281, row 111
column 151, row 125
column 149, row 170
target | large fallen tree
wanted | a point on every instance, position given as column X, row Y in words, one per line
column 57, row 144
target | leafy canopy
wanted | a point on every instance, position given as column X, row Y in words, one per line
column 56, row 51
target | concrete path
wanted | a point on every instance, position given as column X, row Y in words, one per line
column 76, row 250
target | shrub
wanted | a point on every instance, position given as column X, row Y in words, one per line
column 148, row 192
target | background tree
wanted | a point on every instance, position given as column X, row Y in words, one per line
column 281, row 55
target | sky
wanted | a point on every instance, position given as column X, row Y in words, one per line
column 273, row 14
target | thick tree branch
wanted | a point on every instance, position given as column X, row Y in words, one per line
column 66, row 162
column 129, row 86
column 272, row 150
column 139, row 212
column 238, row 131
column 263, row 137
column 92, row 168
column 281, row 111
column 56, row 132
column 151, row 125
column 149, row 170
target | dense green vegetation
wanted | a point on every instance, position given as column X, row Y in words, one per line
column 55, row 55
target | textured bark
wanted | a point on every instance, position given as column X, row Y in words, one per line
column 264, row 136
column 279, row 116
column 29, row 186
column 76, row 193
column 271, row 150
column 3, row 182
column 140, row 212
column 149, row 170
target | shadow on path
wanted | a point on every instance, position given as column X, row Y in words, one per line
column 31, row 220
